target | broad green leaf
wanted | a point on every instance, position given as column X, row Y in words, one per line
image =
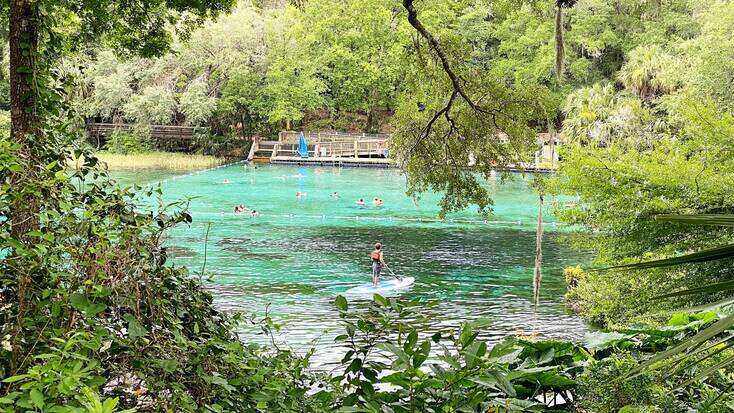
column 467, row 335
column 82, row 303
column 381, row 300
column 410, row 341
column 598, row 340
column 421, row 355
column 392, row 348
column 341, row 303
column 398, row 379
column 13, row 379
column 37, row 398
column 134, row 328
column 503, row 383
column 486, row 381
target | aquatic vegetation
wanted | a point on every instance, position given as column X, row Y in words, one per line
column 158, row 160
column 178, row 252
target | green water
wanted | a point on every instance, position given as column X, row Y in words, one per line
column 298, row 255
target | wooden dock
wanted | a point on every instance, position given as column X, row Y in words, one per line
column 172, row 138
column 325, row 148
column 366, row 150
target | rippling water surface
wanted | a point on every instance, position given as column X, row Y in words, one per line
column 298, row 255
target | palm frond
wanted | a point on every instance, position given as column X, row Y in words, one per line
column 723, row 220
column 710, row 306
column 695, row 345
column 690, row 342
column 718, row 253
column 708, row 371
column 711, row 288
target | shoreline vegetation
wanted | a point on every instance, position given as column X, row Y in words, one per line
column 95, row 318
column 169, row 161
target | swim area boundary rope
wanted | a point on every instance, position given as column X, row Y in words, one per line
column 324, row 217
column 343, row 217
column 201, row 171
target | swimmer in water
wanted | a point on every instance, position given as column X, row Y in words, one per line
column 335, row 195
column 225, row 181
column 300, row 195
column 377, row 202
column 360, row 202
column 254, row 214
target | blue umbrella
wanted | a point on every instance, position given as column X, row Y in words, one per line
column 302, row 146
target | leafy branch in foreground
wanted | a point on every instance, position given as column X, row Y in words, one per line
column 690, row 345
column 392, row 364
column 460, row 122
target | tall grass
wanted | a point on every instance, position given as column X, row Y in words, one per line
column 158, row 160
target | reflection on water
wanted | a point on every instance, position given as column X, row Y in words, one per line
column 299, row 254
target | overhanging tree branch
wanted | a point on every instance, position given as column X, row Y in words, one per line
column 433, row 43
column 457, row 86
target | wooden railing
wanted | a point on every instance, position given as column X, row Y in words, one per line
column 156, row 131
column 328, row 136
column 337, row 149
column 169, row 137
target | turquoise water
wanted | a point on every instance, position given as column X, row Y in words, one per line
column 299, row 254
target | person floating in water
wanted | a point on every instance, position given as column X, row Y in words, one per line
column 335, row 195
column 226, row 181
column 300, row 195
column 377, row 202
column 360, row 202
column 378, row 261
column 254, row 214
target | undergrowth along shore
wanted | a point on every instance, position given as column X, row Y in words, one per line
column 158, row 160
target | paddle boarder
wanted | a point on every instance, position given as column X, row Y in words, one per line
column 378, row 261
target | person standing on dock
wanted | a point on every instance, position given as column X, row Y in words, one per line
column 378, row 261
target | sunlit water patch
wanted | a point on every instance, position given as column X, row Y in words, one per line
column 299, row 254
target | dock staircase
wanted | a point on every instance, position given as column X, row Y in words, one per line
column 263, row 151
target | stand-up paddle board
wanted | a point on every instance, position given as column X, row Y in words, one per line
column 384, row 287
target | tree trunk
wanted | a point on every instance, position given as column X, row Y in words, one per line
column 538, row 275
column 560, row 50
column 23, row 50
column 25, row 129
column 370, row 119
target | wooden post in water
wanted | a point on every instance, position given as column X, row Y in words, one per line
column 537, row 274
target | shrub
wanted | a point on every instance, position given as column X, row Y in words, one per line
column 220, row 145
column 126, row 142
column 91, row 314
column 4, row 124
column 604, row 387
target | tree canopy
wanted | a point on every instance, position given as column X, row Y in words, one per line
column 638, row 91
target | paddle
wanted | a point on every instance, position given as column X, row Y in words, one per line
column 392, row 273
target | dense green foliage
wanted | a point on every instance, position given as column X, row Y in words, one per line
column 658, row 145
column 93, row 319
column 258, row 70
